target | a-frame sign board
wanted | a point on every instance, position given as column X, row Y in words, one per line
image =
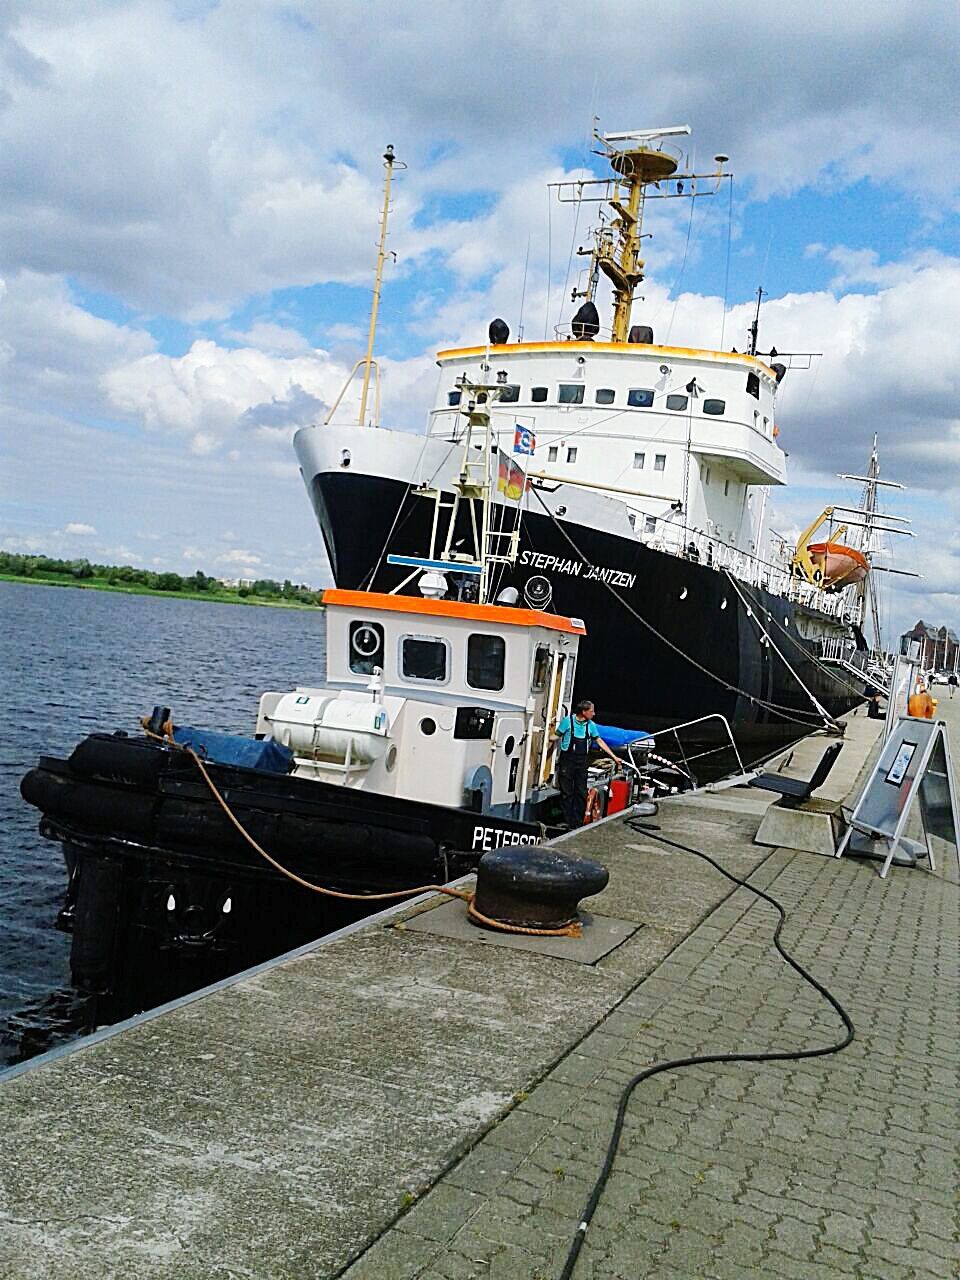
column 915, row 762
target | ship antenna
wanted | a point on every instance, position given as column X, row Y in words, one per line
column 755, row 326
column 368, row 363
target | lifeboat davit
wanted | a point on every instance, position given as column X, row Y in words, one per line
column 841, row 566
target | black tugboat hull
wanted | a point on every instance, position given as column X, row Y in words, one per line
column 166, row 895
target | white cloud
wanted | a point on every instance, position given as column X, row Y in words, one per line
column 239, row 557
column 156, row 153
column 80, row 530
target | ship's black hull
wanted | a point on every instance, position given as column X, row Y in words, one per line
column 712, row 657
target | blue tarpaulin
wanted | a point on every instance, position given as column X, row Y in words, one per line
column 618, row 738
column 229, row 748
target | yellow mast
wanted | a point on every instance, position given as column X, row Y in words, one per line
column 622, row 263
column 368, row 361
column 388, row 160
column 640, row 162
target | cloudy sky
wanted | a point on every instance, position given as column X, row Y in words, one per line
column 189, row 196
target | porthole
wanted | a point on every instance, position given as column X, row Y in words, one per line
column 391, row 760
column 428, row 727
column 683, row 594
column 508, row 746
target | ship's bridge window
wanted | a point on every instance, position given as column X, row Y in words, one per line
column 486, row 659
column 716, row 407
column 753, row 385
column 640, row 397
column 509, row 394
column 453, row 398
column 424, row 658
column 538, row 394
column 366, row 647
column 605, row 395
column 570, row 393
column 677, row 402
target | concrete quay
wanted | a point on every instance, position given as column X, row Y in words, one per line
column 416, row 1099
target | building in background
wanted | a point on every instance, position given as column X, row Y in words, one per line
column 939, row 647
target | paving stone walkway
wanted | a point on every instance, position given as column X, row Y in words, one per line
column 839, row 1166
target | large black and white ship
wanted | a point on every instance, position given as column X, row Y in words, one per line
column 634, row 488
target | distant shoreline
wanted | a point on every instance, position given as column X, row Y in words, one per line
column 221, row 596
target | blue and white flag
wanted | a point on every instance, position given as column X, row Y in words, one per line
column 524, row 441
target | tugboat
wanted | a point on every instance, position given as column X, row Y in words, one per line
column 429, row 745
column 644, row 472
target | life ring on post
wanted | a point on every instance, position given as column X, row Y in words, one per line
column 594, row 809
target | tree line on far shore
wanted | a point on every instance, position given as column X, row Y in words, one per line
column 125, row 575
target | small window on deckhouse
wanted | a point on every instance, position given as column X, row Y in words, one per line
column 660, row 462
column 639, row 397
column 638, row 460
column 605, row 395
column 553, row 452
column 570, row 393
column 572, row 453
column 509, row 394
column 453, row 398
column 486, row 658
column 424, row 658
column 753, row 385
column 538, row 394
column 716, row 407
column 677, row 402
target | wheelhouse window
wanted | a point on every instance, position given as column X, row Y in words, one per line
column 660, row 462
column 753, row 385
column 453, row 398
column 509, row 394
column 538, row 394
column 677, row 402
column 638, row 460
column 366, row 647
column 541, row 668
column 640, row 397
column 572, row 453
column 570, row 393
column 605, row 395
column 553, row 452
column 423, row 658
column 486, row 660
column 716, row 407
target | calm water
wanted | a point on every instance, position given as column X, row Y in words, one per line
column 77, row 661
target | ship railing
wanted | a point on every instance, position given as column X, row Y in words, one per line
column 688, row 757
column 695, row 545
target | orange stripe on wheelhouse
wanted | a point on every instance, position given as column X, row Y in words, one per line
column 501, row 614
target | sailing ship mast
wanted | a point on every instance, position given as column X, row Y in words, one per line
column 870, row 527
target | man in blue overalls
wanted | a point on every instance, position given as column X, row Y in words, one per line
column 577, row 734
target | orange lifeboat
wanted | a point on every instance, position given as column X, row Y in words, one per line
column 840, row 566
